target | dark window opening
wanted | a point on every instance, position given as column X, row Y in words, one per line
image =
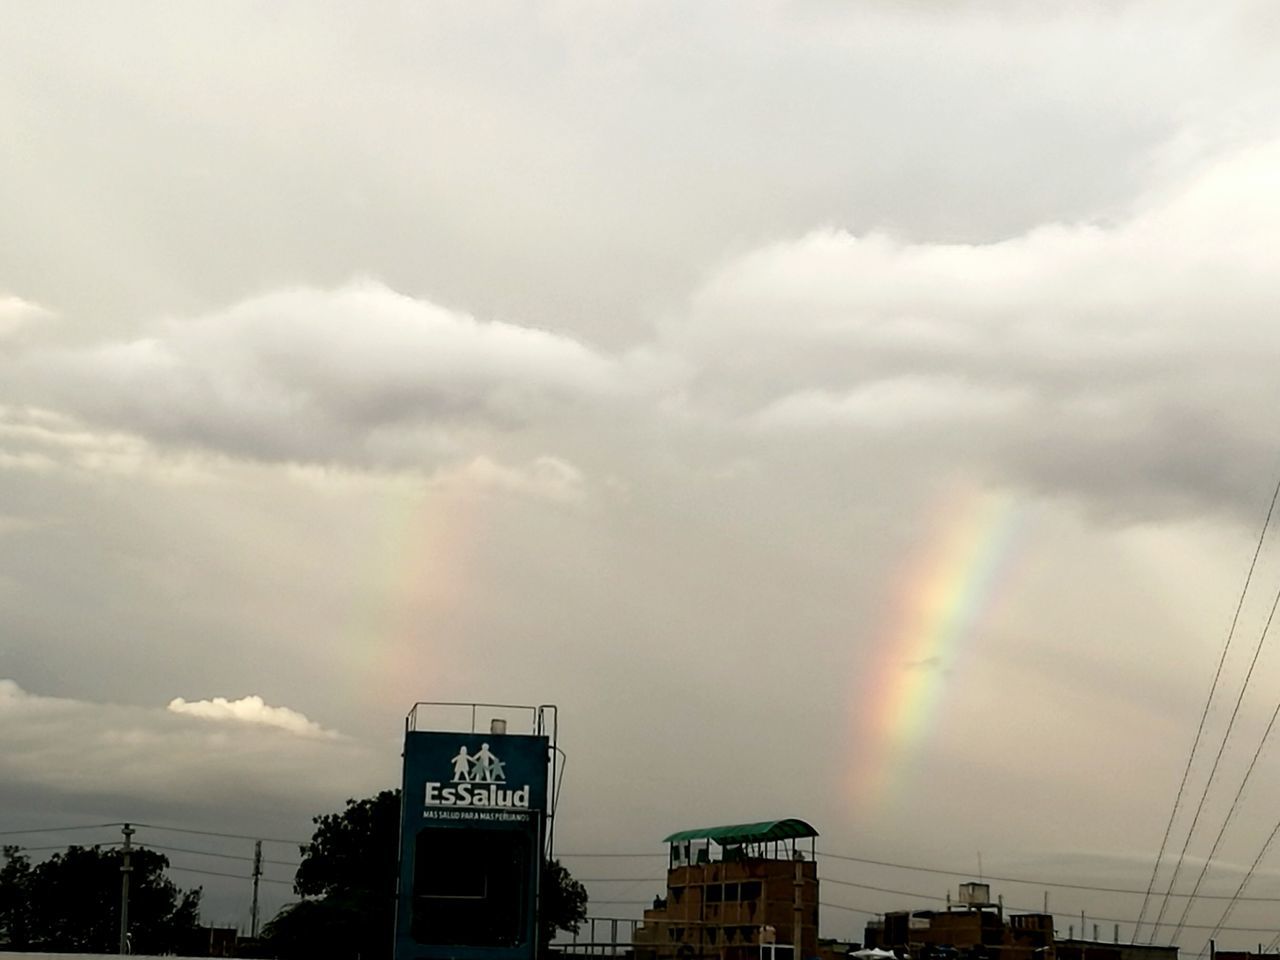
column 470, row 887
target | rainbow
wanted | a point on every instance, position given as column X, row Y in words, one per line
column 419, row 542
column 948, row 590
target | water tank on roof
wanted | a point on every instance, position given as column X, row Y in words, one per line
column 975, row 894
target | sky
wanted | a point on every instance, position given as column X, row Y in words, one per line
column 852, row 411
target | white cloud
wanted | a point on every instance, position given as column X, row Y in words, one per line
column 543, row 478
column 904, row 402
column 37, row 440
column 16, row 313
column 251, row 709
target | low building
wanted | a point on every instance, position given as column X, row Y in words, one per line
column 1071, row 949
column 973, row 926
column 736, row 892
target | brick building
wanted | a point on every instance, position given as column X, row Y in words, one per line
column 971, row 927
column 1071, row 949
column 735, row 892
column 974, row 928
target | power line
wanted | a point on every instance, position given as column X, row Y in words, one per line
column 228, row 836
column 224, row 856
column 166, row 849
column 1226, row 737
column 867, row 886
column 1036, row 910
column 838, row 906
column 594, row 855
column 1030, row 881
column 1026, row 880
column 82, row 826
column 1231, row 905
column 1213, row 770
column 932, row 897
column 62, row 846
column 841, row 906
column 1275, row 941
column 926, row 896
column 1204, row 715
column 229, row 876
column 1235, row 802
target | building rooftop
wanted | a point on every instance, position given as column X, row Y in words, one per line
column 766, row 831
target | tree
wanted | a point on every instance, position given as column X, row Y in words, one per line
column 348, row 878
column 71, row 903
column 349, row 870
column 15, row 911
column 564, row 901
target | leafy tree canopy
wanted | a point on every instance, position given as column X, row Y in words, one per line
column 70, row 903
column 349, row 871
column 564, row 901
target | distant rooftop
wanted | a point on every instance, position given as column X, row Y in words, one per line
column 766, row 831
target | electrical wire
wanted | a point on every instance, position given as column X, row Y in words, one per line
column 223, row 856
column 897, row 893
column 1024, row 909
column 635, row 903
column 82, row 826
column 841, row 906
column 64, row 846
column 1226, row 736
column 1231, row 904
column 1027, row 880
column 1235, row 802
column 934, row 898
column 1204, row 714
column 227, row 836
column 229, row 876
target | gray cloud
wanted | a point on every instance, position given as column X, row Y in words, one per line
column 1060, row 359
column 1119, row 363
column 360, row 374
column 74, row 747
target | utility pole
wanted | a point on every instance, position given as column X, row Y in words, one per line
column 257, row 872
column 125, row 869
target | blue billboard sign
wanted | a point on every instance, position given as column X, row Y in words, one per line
column 473, row 815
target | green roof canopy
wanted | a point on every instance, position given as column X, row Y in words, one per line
column 764, row 832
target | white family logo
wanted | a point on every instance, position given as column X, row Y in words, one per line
column 476, row 783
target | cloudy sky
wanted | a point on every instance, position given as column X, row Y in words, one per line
column 855, row 411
